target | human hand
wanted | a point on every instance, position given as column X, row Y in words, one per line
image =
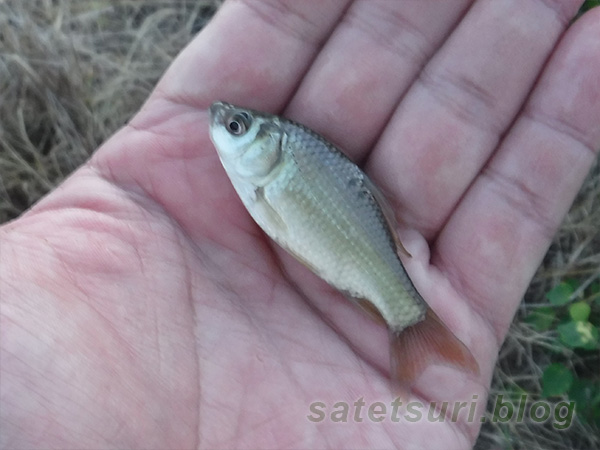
column 142, row 307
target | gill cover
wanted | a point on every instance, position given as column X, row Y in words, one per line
column 263, row 155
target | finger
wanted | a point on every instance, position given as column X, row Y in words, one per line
column 452, row 118
column 372, row 57
column 253, row 53
column 500, row 231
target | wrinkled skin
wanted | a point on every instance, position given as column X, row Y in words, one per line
column 141, row 306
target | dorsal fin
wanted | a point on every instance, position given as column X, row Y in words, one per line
column 388, row 214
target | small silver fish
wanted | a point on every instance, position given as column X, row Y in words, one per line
column 320, row 207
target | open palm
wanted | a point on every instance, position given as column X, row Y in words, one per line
column 142, row 307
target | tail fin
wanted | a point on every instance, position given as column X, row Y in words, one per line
column 425, row 343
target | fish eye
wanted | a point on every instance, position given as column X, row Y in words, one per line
column 239, row 123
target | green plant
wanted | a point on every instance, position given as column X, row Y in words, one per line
column 573, row 318
column 589, row 4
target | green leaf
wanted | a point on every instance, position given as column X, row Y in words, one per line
column 556, row 380
column 560, row 294
column 580, row 311
column 586, row 395
column 594, row 291
column 585, row 391
column 541, row 318
column 579, row 334
column 589, row 4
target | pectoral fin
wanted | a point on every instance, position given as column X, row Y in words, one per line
column 273, row 216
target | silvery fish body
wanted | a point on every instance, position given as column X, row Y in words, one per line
column 319, row 206
column 314, row 202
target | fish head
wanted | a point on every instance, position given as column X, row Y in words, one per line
column 248, row 142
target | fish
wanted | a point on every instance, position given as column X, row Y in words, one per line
column 319, row 206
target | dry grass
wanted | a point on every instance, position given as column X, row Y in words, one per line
column 574, row 254
column 73, row 71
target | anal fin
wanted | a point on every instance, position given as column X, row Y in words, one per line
column 370, row 309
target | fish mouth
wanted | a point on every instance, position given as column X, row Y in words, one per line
column 218, row 111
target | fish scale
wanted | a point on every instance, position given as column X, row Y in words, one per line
column 321, row 193
column 320, row 207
